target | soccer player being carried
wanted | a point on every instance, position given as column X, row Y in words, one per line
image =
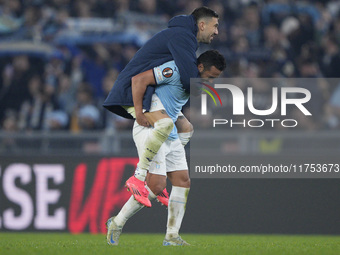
column 178, row 42
column 170, row 160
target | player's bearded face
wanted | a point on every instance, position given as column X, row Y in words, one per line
column 209, row 30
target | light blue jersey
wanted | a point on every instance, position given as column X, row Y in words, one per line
column 170, row 91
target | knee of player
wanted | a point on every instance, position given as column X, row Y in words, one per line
column 190, row 128
column 164, row 126
column 184, row 126
column 186, row 182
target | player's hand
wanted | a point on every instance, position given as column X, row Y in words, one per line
column 142, row 120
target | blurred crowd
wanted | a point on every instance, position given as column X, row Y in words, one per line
column 65, row 90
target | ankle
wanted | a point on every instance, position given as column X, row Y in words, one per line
column 140, row 174
column 169, row 236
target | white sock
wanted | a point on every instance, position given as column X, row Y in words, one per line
column 130, row 208
column 176, row 210
column 140, row 174
column 185, row 137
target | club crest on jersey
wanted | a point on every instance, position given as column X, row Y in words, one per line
column 167, row 72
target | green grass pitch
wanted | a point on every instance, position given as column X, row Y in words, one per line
column 83, row 244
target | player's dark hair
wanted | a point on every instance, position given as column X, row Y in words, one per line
column 212, row 58
column 204, row 12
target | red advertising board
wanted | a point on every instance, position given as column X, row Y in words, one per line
column 62, row 193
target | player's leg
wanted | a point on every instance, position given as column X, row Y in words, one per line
column 162, row 127
column 132, row 206
column 184, row 129
column 156, row 178
column 115, row 224
column 179, row 194
column 157, row 184
column 177, row 203
column 179, row 178
column 147, row 151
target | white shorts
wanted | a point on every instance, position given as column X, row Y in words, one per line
column 170, row 157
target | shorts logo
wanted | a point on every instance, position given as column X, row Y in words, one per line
column 167, row 72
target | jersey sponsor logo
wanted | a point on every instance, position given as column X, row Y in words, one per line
column 167, row 72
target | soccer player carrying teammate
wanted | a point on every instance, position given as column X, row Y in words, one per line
column 178, row 42
column 170, row 160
